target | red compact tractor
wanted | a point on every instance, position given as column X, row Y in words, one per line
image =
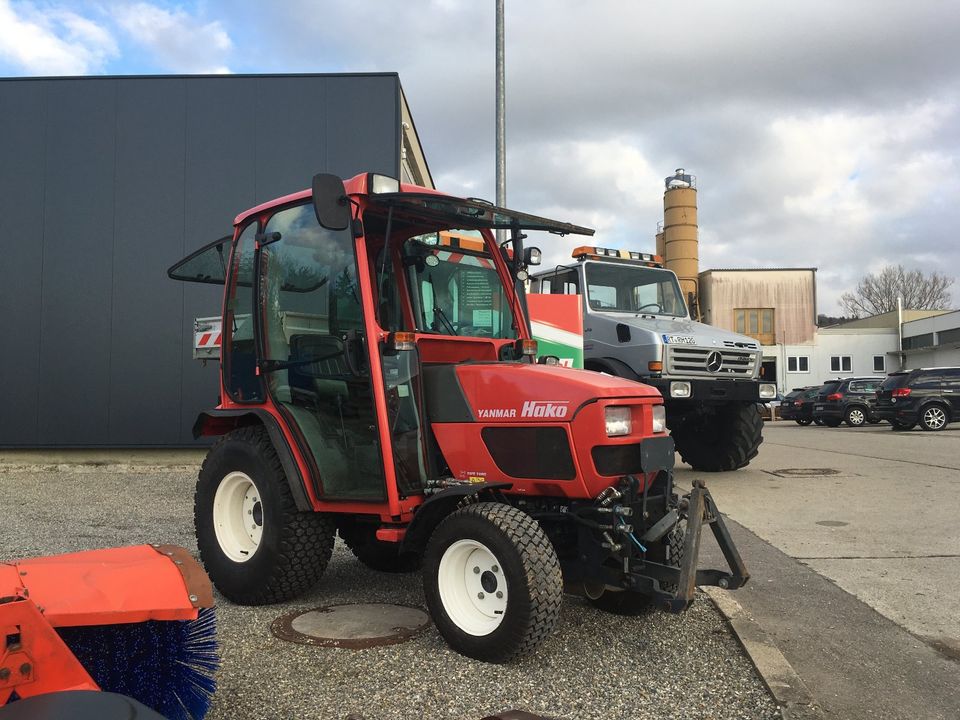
column 379, row 380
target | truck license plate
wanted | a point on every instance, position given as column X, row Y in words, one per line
column 679, row 340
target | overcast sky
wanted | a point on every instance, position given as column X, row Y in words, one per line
column 823, row 134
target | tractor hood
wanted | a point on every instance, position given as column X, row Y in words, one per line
column 512, row 393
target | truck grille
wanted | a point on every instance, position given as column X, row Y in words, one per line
column 691, row 360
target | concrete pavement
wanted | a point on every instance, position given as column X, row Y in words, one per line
column 854, row 545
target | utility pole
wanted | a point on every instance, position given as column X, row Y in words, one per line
column 501, row 120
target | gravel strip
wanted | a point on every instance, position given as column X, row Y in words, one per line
column 593, row 666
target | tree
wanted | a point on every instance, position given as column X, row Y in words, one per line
column 877, row 293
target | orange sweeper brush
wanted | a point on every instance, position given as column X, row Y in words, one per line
column 136, row 620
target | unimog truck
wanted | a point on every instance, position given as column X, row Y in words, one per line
column 636, row 325
column 378, row 380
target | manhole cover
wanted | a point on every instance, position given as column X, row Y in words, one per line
column 351, row 626
column 804, row 472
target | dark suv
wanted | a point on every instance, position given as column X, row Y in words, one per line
column 798, row 405
column 929, row 396
column 849, row 400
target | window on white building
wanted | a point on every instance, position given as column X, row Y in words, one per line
column 879, row 363
column 798, row 363
column 841, row 363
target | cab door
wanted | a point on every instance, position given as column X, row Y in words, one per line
column 313, row 352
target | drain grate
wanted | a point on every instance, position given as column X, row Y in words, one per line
column 803, row 472
column 356, row 626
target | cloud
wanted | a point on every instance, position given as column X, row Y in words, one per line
column 55, row 41
column 178, row 41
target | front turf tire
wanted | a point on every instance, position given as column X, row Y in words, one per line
column 726, row 439
column 289, row 551
column 481, row 550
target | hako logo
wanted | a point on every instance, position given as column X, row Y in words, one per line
column 544, row 409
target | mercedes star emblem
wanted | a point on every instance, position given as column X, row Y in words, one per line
column 714, row 361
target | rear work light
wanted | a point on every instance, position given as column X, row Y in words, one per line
column 835, row 396
column 900, row 392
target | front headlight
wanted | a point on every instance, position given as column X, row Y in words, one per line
column 659, row 418
column 768, row 391
column 618, row 421
column 680, row 389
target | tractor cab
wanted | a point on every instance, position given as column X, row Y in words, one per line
column 379, row 381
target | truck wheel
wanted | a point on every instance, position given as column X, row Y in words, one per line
column 856, row 416
column 668, row 551
column 492, row 582
column 256, row 546
column 818, row 422
column 896, row 425
column 933, row 417
column 726, row 439
column 804, row 421
column 376, row 554
column 832, row 422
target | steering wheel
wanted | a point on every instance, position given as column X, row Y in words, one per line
column 653, row 304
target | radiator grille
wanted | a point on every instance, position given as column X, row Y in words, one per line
column 692, row 360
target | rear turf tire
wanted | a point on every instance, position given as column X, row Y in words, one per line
column 255, row 545
column 727, row 438
column 481, row 550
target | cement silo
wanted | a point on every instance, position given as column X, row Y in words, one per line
column 680, row 244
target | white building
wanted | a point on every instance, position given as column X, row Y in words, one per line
column 932, row 341
column 777, row 307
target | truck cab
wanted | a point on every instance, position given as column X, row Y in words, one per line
column 636, row 325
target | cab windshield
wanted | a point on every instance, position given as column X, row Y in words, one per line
column 455, row 287
column 619, row 287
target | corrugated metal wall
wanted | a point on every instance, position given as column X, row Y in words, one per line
column 104, row 183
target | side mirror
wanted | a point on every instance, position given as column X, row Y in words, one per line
column 531, row 256
column 330, row 202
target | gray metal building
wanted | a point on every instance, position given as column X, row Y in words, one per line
column 104, row 183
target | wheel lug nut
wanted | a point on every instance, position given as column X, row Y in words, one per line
column 495, row 569
column 499, row 595
column 476, row 570
column 480, row 595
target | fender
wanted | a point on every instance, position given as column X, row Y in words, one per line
column 612, row 366
column 436, row 508
column 220, row 422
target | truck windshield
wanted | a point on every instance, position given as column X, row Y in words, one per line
column 618, row 287
column 455, row 286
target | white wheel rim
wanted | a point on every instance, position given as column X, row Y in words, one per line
column 934, row 418
column 238, row 516
column 856, row 417
column 472, row 587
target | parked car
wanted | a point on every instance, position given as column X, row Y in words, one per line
column 928, row 396
column 851, row 400
column 798, row 405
